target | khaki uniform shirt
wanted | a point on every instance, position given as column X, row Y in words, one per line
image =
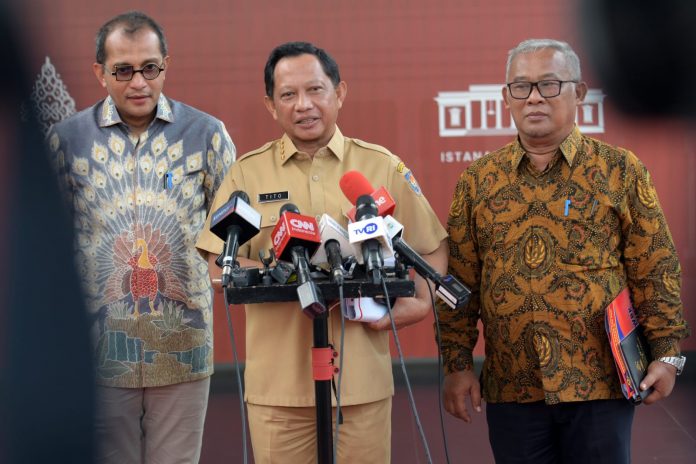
column 278, row 335
column 544, row 254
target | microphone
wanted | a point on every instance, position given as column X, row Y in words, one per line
column 354, row 183
column 336, row 247
column 295, row 237
column 294, row 229
column 448, row 288
column 369, row 237
column 236, row 223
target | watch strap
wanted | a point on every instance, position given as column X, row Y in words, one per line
column 676, row 361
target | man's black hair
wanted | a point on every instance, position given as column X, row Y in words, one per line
column 296, row 49
column 132, row 22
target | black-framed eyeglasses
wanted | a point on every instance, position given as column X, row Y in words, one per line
column 125, row 73
column 547, row 88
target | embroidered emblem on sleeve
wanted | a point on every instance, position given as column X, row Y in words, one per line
column 412, row 182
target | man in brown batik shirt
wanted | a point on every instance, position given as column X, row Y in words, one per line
column 547, row 231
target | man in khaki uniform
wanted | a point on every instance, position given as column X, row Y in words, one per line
column 304, row 94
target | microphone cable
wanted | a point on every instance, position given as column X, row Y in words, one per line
column 412, row 401
column 439, row 374
column 341, row 308
column 240, row 386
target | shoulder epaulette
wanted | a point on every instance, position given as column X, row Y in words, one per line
column 261, row 149
column 372, row 146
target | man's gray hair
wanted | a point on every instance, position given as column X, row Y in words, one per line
column 533, row 45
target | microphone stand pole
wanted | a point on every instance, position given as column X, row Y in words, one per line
column 312, row 302
column 322, row 364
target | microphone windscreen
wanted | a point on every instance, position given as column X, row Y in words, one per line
column 289, row 207
column 353, row 184
column 240, row 194
column 365, row 206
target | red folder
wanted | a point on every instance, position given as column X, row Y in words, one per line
column 628, row 345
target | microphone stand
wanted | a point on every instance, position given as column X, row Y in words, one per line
column 323, row 367
column 312, row 303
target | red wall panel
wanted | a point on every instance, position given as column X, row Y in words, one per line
column 396, row 57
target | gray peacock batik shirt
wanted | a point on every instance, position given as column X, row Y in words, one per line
column 139, row 204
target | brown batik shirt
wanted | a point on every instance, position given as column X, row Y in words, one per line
column 544, row 254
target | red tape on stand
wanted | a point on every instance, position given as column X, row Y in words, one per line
column 322, row 363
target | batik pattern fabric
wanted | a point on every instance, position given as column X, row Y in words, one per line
column 544, row 254
column 139, row 204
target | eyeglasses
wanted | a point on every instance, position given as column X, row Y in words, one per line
column 546, row 88
column 125, row 73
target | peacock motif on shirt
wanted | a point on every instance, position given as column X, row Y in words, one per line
column 142, row 270
column 143, row 278
column 139, row 204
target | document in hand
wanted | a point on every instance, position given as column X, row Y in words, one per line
column 628, row 345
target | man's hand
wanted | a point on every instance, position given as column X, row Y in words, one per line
column 661, row 376
column 457, row 388
column 406, row 311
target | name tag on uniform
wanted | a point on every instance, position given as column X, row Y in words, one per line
column 273, row 196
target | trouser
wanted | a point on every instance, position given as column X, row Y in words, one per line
column 597, row 432
column 153, row 425
column 288, row 434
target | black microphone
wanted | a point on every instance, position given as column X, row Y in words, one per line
column 448, row 288
column 294, row 238
column 236, row 223
column 333, row 253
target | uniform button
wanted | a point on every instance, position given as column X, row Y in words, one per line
column 315, row 177
column 318, row 217
column 273, row 219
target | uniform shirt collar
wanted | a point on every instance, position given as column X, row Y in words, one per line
column 335, row 146
column 109, row 114
column 569, row 148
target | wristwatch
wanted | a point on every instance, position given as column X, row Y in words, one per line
column 676, row 361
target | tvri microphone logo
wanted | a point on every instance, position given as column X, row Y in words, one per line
column 369, row 229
